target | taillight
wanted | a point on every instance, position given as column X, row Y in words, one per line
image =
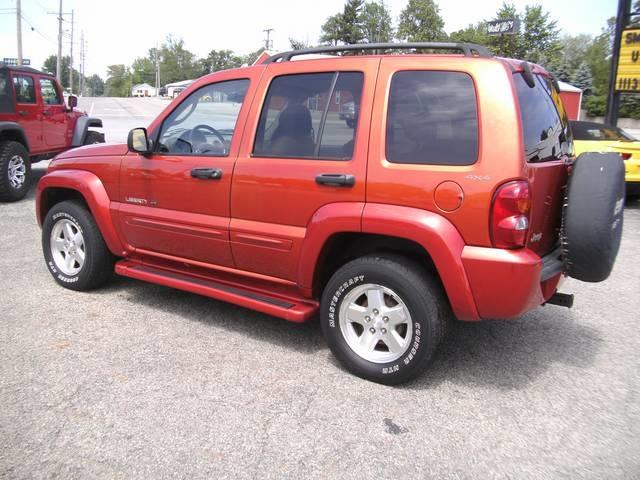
column 510, row 215
column 625, row 156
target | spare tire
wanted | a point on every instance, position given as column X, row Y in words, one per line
column 592, row 216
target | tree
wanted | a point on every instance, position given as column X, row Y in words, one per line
column 472, row 34
column 508, row 46
column 297, row 44
column 94, row 86
column 583, row 79
column 119, row 81
column 376, row 22
column 219, row 60
column 143, row 70
column 538, row 41
column 350, row 30
column 541, row 36
column 176, row 62
column 420, row 21
column 597, row 56
column 330, row 31
column 50, row 66
column 250, row 58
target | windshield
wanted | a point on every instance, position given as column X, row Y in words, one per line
column 592, row 131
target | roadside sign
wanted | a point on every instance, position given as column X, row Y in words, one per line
column 509, row 26
column 14, row 61
column 628, row 74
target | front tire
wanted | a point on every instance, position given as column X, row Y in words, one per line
column 93, row 137
column 73, row 247
column 383, row 318
column 15, row 171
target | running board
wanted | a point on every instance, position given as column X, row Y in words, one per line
column 294, row 310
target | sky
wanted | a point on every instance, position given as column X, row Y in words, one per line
column 118, row 31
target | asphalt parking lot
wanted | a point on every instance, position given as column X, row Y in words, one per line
column 141, row 381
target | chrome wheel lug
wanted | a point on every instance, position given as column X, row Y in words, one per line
column 372, row 330
column 375, row 311
column 367, row 318
column 383, row 330
column 385, row 319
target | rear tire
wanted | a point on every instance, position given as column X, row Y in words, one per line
column 15, row 171
column 73, row 247
column 383, row 318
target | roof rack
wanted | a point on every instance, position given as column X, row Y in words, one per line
column 468, row 49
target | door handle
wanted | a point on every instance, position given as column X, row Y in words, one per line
column 207, row 173
column 47, row 113
column 22, row 113
column 336, row 180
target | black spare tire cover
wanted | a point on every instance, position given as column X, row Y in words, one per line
column 592, row 216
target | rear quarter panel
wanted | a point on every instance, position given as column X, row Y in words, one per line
column 499, row 141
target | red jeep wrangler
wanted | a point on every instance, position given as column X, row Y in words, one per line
column 451, row 190
column 35, row 124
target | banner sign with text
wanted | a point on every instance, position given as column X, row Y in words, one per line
column 628, row 75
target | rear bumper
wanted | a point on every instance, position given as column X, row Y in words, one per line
column 508, row 283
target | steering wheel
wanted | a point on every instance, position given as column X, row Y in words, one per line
column 210, row 129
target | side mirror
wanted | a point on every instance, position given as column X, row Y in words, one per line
column 73, row 101
column 138, row 141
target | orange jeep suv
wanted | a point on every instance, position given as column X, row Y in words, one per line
column 384, row 193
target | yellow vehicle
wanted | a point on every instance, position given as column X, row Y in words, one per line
column 598, row 137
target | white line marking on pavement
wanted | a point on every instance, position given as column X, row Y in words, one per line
column 91, row 109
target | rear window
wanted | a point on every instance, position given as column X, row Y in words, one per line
column 6, row 100
column 546, row 131
column 593, row 132
column 432, row 119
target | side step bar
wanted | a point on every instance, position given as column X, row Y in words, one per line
column 294, row 310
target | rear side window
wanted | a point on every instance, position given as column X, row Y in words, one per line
column 545, row 130
column 23, row 85
column 6, row 100
column 310, row 115
column 432, row 119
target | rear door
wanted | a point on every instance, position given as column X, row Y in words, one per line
column 297, row 150
column 28, row 110
column 56, row 120
column 547, row 146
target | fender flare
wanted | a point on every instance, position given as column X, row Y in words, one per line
column 81, row 129
column 19, row 131
column 437, row 235
column 440, row 239
column 92, row 190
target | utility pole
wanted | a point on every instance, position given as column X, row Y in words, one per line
column 613, row 98
column 19, row 29
column 59, row 60
column 71, row 58
column 81, row 80
column 157, row 70
column 268, row 43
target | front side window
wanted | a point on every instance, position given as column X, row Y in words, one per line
column 545, row 130
column 23, row 85
column 310, row 116
column 49, row 92
column 432, row 119
column 204, row 123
